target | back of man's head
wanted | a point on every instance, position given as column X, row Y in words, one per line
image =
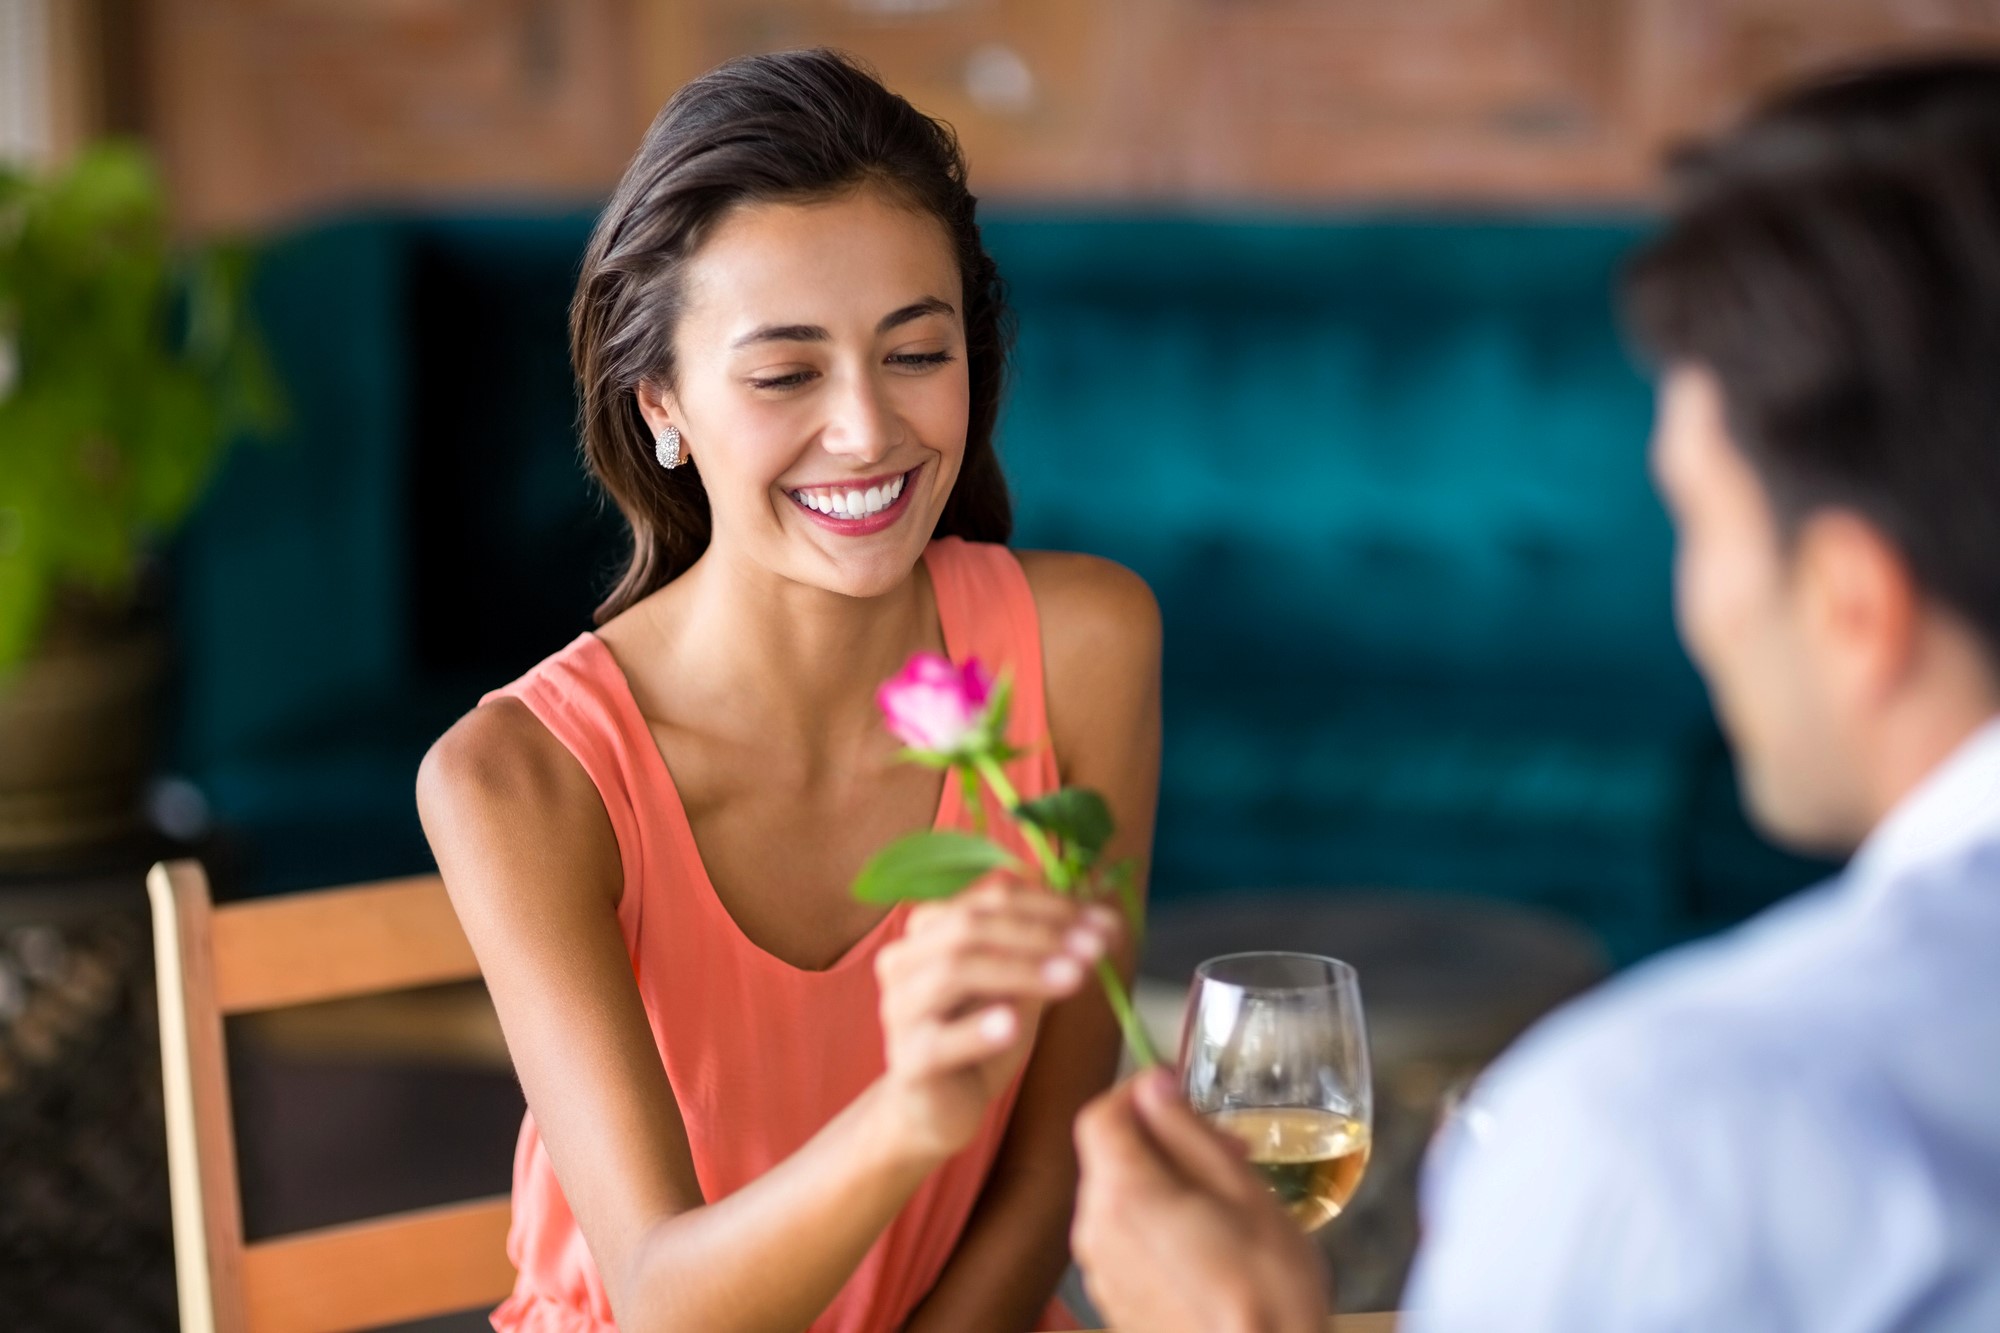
column 1834, row 262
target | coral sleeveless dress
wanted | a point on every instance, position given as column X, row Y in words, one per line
column 760, row 1054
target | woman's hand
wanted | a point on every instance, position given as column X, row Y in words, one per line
column 962, row 992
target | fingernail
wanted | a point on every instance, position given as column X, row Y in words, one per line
column 1087, row 944
column 1154, row 1086
column 997, row 1024
column 1062, row 972
column 1102, row 917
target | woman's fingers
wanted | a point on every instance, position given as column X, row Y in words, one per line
column 1027, row 925
column 997, row 898
column 969, row 976
column 945, row 987
column 943, row 1048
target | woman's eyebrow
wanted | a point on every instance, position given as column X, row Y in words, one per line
column 784, row 333
column 814, row 333
column 930, row 305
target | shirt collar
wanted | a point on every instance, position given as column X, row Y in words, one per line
column 1956, row 806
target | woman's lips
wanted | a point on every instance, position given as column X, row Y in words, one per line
column 866, row 523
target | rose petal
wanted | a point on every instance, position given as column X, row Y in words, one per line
column 934, row 705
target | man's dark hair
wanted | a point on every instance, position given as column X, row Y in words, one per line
column 1835, row 263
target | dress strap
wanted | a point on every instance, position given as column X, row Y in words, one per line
column 988, row 612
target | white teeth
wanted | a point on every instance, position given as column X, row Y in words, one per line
column 853, row 504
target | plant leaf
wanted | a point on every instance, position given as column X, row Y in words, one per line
column 932, row 863
column 1077, row 815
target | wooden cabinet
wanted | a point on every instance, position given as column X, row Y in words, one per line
column 1456, row 100
column 267, row 108
column 1700, row 62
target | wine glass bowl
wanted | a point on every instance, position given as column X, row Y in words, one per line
column 1274, row 1051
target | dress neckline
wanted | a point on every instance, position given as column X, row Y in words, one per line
column 660, row 777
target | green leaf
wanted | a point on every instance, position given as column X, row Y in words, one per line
column 1077, row 815
column 138, row 364
column 933, row 863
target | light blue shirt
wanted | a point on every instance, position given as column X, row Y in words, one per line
column 1792, row 1127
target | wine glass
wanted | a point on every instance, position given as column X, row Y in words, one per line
column 1274, row 1051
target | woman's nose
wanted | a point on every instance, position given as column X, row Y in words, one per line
column 861, row 427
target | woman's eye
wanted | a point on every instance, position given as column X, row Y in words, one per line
column 921, row 360
column 791, row 381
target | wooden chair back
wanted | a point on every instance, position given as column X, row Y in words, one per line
column 268, row 954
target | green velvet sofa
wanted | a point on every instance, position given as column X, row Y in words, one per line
column 1386, row 475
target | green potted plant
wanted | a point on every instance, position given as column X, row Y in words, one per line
column 126, row 364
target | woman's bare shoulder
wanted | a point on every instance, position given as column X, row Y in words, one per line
column 1089, row 606
column 499, row 785
column 1100, row 653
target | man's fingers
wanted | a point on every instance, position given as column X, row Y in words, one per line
column 1206, row 1157
column 1116, row 1152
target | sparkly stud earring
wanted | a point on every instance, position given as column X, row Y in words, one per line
column 667, row 446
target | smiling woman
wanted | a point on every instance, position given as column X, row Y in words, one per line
column 756, row 1102
column 762, row 223
column 834, row 321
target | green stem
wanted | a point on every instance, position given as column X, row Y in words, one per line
column 969, row 788
column 1038, row 842
column 1128, row 1017
column 1059, row 880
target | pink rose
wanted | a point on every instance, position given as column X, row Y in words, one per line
column 935, row 707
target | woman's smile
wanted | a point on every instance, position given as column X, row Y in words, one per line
column 857, row 508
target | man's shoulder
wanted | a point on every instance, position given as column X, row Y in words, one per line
column 1833, row 983
column 1694, row 1010
column 1733, row 1130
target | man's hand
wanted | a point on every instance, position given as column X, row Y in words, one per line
column 1175, row 1234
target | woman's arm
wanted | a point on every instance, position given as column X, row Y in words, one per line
column 529, row 857
column 1101, row 655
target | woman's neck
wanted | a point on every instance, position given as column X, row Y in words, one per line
column 741, row 646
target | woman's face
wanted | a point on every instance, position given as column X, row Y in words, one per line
column 821, row 387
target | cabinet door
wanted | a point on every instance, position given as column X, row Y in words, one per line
column 1372, row 99
column 265, row 109
column 1282, row 99
column 1702, row 62
column 1047, row 96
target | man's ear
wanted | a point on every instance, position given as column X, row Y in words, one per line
column 1862, row 607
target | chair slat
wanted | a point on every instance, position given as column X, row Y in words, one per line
column 382, row 1271
column 329, row 945
column 201, row 1140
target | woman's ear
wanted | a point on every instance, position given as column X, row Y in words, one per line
column 661, row 409
column 658, row 407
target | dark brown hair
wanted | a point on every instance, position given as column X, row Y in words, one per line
column 1835, row 263
column 794, row 126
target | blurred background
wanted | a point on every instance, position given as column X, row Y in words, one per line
column 1317, row 333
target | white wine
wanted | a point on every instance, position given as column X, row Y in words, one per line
column 1312, row 1160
